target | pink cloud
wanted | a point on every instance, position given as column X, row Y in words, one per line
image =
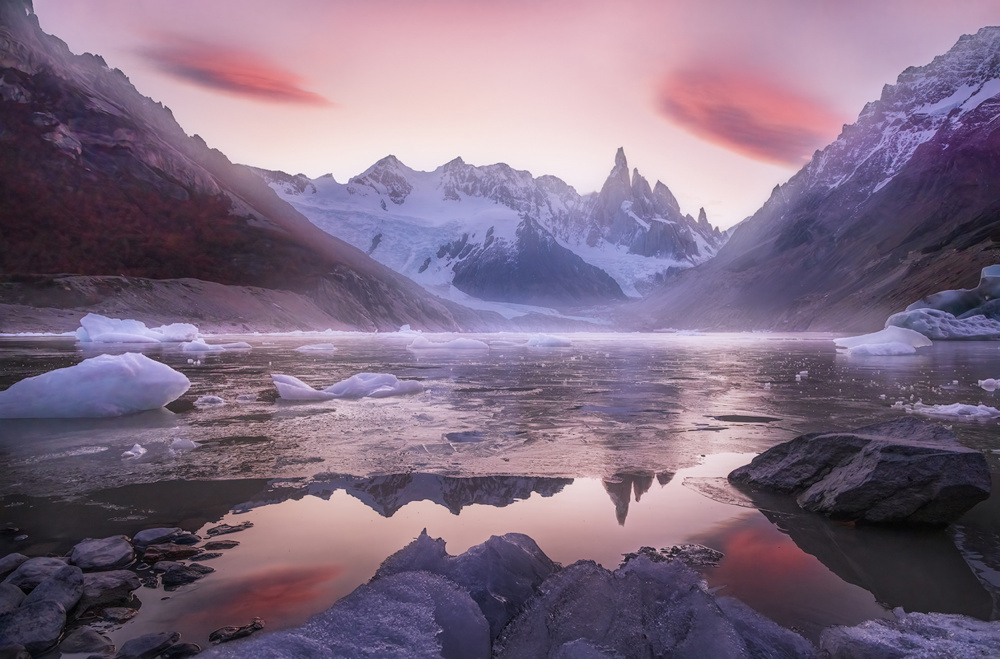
column 747, row 114
column 230, row 71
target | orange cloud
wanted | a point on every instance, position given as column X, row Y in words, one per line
column 230, row 71
column 751, row 116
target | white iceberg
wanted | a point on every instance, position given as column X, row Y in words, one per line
column 199, row 345
column 95, row 328
column 317, row 347
column 135, row 452
column 990, row 384
column 881, row 349
column 953, row 412
column 209, row 401
column 102, row 386
column 182, row 444
column 941, row 325
column 888, row 335
column 362, row 385
column 423, row 343
column 549, row 341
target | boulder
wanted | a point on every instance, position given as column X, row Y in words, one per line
column 10, row 597
column 178, row 575
column 33, row 571
column 168, row 552
column 10, row 562
column 223, row 529
column 155, row 536
column 102, row 554
column 35, row 626
column 88, row 640
column 64, row 586
column 110, row 587
column 147, row 645
column 904, row 471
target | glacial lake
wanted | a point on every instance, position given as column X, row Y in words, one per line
column 594, row 450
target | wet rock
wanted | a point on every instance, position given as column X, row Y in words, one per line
column 10, row 597
column 156, row 536
column 9, row 563
column 33, row 571
column 207, row 556
column 904, row 471
column 118, row 614
column 178, row 575
column 187, row 539
column 35, row 626
column 86, row 639
column 692, row 555
column 168, row 552
column 111, row 587
column 102, row 553
column 216, row 545
column 14, row 652
column 64, row 586
column 181, row 651
column 147, row 645
column 914, row 635
column 223, row 529
column 230, row 633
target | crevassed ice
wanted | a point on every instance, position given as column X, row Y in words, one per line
column 370, row 385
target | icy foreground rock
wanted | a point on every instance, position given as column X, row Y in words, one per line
column 914, row 635
column 102, row 386
column 95, row 328
column 904, row 471
column 370, row 385
column 888, row 336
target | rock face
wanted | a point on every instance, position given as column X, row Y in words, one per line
column 902, row 204
column 111, row 174
column 500, row 234
column 904, row 471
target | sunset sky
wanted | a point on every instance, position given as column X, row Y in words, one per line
column 719, row 99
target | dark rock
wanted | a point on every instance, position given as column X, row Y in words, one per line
column 33, row 571
column 181, row 651
column 86, row 639
column 168, row 552
column 207, row 556
column 10, row 597
column 102, row 553
column 147, row 645
column 216, row 545
column 118, row 614
column 111, row 587
column 9, row 563
column 35, row 626
column 14, row 652
column 155, row 536
column 694, row 556
column 187, row 539
column 178, row 575
column 904, row 471
column 223, row 529
column 64, row 586
column 230, row 633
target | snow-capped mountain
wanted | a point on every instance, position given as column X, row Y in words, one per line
column 496, row 233
column 905, row 202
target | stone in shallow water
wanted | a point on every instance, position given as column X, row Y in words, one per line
column 102, row 553
column 33, row 571
column 64, row 586
column 904, row 471
column 181, row 651
column 9, row 563
column 35, row 626
column 230, row 633
column 216, row 545
column 223, row 529
column 168, row 552
column 155, row 536
column 100, row 588
column 178, row 575
column 86, row 639
column 147, row 645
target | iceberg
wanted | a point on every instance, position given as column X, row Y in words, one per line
column 317, row 347
column 953, row 412
column 136, row 451
column 941, row 325
column 102, row 386
column 362, row 385
column 423, row 343
column 209, row 401
column 888, row 335
column 990, row 384
column 549, row 341
column 893, row 348
column 95, row 328
column 199, row 345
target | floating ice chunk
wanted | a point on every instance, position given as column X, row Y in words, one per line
column 102, row 386
column 135, row 452
column 246, row 398
column 209, row 401
column 95, row 328
column 955, row 411
column 888, row 335
column 199, row 345
column 317, row 347
column 915, row 635
column 549, row 341
column 182, row 444
column 881, row 349
column 406, row 329
column 371, row 385
column 423, row 343
column 941, row 325
column 990, row 384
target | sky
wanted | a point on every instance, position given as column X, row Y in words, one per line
column 719, row 99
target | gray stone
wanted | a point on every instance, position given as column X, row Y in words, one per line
column 147, row 645
column 914, row 635
column 111, row 587
column 10, row 597
column 10, row 562
column 33, row 571
column 904, row 471
column 118, row 614
column 168, row 552
column 230, row 633
column 178, row 575
column 65, row 586
column 155, row 536
column 186, row 539
column 17, row 651
column 216, row 545
column 102, row 553
column 223, row 529
column 35, row 626
column 181, row 651
column 86, row 639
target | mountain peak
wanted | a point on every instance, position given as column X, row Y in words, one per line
column 620, row 161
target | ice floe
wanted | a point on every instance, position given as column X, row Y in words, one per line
column 941, row 325
column 549, row 341
column 362, row 385
column 317, row 347
column 881, row 349
column 423, row 343
column 894, row 337
column 95, row 328
column 954, row 412
column 209, row 401
column 199, row 345
column 102, row 386
column 990, row 384
column 182, row 444
column 136, row 451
